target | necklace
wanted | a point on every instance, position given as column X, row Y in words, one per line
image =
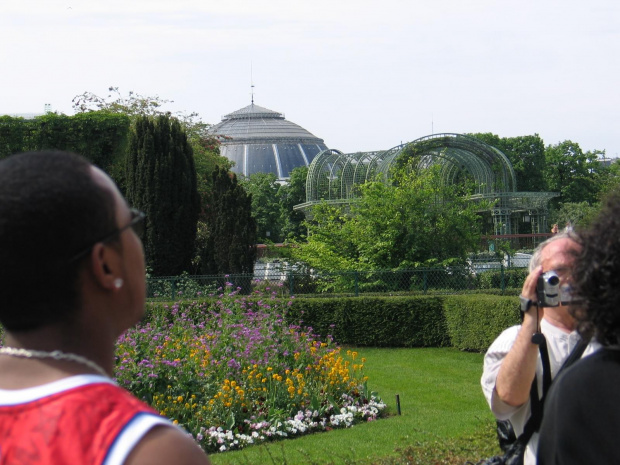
column 55, row 354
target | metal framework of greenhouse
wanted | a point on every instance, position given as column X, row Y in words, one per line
column 333, row 177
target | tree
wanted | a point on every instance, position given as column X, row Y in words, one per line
column 161, row 181
column 572, row 173
column 230, row 246
column 527, row 156
column 414, row 222
column 133, row 105
column 204, row 145
column 611, row 179
column 266, row 205
column 291, row 194
column 272, row 205
column 575, row 213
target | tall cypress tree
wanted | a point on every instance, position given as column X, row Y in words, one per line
column 161, row 181
column 231, row 245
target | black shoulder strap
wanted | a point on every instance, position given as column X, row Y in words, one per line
column 544, row 355
column 536, row 401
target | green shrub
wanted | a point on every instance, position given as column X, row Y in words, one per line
column 416, row 321
column 493, row 279
column 467, row 322
column 475, row 321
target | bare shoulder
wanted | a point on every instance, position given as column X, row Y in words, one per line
column 165, row 445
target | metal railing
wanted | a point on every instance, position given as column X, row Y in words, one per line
column 476, row 277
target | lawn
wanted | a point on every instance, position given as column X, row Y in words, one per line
column 444, row 417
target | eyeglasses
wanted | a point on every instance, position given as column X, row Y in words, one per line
column 136, row 223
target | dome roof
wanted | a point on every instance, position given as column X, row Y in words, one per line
column 260, row 140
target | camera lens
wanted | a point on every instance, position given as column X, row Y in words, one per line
column 554, row 280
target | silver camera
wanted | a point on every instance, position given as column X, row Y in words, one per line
column 550, row 293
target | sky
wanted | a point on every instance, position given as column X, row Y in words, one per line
column 362, row 75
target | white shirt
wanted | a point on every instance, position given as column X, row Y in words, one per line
column 559, row 343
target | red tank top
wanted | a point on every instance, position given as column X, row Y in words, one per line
column 80, row 420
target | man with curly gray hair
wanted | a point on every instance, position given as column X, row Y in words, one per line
column 513, row 360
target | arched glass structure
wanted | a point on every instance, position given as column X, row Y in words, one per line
column 333, row 176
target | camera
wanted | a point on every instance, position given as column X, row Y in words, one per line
column 549, row 292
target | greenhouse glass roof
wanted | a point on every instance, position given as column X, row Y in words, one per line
column 259, row 140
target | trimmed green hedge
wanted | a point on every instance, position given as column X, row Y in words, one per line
column 467, row 322
column 375, row 321
column 99, row 136
column 475, row 321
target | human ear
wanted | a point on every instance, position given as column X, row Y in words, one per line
column 105, row 266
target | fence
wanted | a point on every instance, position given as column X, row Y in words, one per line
column 476, row 277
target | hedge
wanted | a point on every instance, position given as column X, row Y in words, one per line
column 475, row 321
column 466, row 322
column 99, row 136
column 375, row 321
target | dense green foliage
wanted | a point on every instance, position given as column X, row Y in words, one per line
column 272, row 205
column 502, row 279
column 376, row 321
column 414, row 222
column 100, row 137
column 291, row 194
column 527, row 156
column 575, row 213
column 161, row 181
column 230, row 245
column 465, row 322
column 576, row 175
column 580, row 178
column 266, row 207
column 475, row 321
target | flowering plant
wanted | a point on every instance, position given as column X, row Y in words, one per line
column 233, row 372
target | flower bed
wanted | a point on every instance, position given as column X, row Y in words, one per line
column 234, row 373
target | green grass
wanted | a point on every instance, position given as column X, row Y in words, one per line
column 444, row 417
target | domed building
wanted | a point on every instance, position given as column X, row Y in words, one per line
column 260, row 140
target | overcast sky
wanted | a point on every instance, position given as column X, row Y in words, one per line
column 362, row 75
